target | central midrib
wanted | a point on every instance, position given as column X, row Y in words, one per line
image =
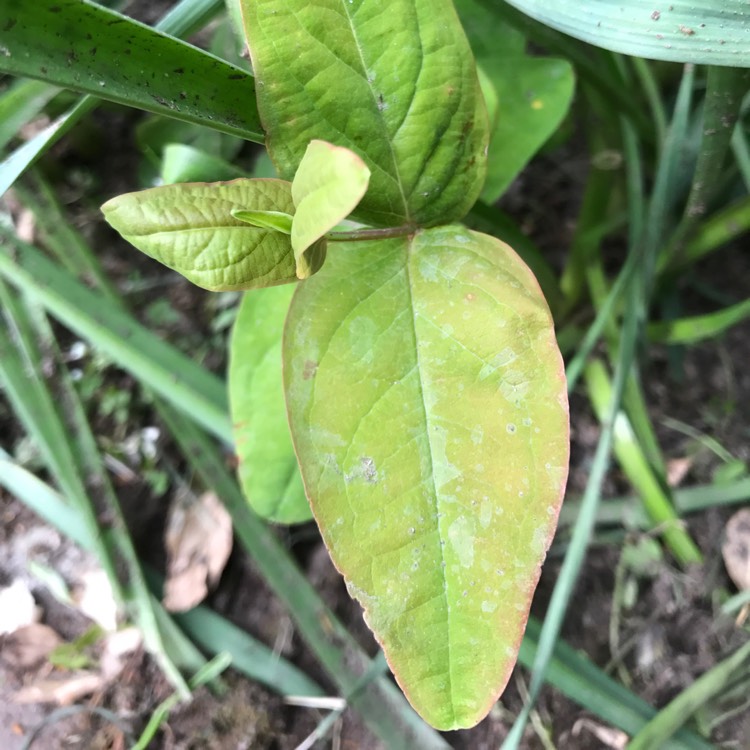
column 443, row 567
column 396, row 170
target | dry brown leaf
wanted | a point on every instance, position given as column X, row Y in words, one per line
column 29, row 645
column 677, row 469
column 611, row 738
column 198, row 541
column 736, row 548
column 17, row 607
column 63, row 691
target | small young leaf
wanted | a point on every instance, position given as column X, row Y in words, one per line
column 267, row 466
column 327, row 187
column 275, row 220
column 428, row 408
column 191, row 228
column 397, row 86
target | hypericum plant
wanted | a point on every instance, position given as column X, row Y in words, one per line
column 424, row 387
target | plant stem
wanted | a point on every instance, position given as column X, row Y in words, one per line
column 726, row 88
column 364, row 235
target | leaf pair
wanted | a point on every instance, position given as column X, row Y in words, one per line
column 423, row 384
column 247, row 233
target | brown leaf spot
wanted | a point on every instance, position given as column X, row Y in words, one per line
column 310, row 369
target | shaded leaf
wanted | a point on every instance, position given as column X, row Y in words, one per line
column 88, row 48
column 198, row 539
column 191, row 228
column 428, row 409
column 267, row 467
column 326, row 70
column 533, row 94
column 182, row 163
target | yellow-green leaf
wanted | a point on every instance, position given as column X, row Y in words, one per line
column 191, row 228
column 328, row 185
column 428, row 407
column 395, row 82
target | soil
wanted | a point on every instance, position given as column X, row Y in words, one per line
column 672, row 633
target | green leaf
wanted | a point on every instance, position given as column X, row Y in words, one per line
column 87, row 48
column 20, row 104
column 267, row 467
column 191, row 228
column 710, row 32
column 327, row 187
column 351, row 74
column 275, row 220
column 428, row 409
column 490, row 97
column 534, row 94
column 182, row 163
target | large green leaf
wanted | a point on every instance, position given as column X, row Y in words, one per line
column 85, row 47
column 267, row 467
column 428, row 408
column 190, row 228
column 533, row 93
column 398, row 86
column 711, row 32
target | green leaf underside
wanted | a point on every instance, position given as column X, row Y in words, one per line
column 267, row 466
column 533, row 94
column 427, row 402
column 710, row 32
column 328, row 185
column 325, row 70
column 87, row 48
column 190, row 228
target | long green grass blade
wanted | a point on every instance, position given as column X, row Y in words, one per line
column 631, row 457
column 21, row 103
column 210, row 630
column 710, row 32
column 250, row 657
column 725, row 225
column 184, row 18
column 381, row 705
column 698, row 328
column 82, row 473
column 164, row 369
column 87, row 48
column 583, row 682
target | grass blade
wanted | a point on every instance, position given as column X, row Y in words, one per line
column 706, row 687
column 183, row 19
column 381, row 705
column 168, row 372
column 87, row 48
column 698, row 328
